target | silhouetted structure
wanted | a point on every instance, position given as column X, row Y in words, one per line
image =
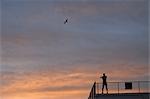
column 104, row 78
column 121, row 90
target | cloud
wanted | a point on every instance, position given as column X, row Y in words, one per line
column 76, row 81
column 78, row 77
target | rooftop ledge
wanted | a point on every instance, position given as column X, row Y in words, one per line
column 123, row 96
column 121, row 90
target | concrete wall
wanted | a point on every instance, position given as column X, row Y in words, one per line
column 124, row 96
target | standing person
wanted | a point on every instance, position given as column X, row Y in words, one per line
column 104, row 78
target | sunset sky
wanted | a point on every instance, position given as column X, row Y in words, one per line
column 43, row 58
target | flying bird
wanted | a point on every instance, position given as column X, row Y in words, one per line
column 66, row 21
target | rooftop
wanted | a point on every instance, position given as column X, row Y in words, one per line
column 123, row 96
column 121, row 90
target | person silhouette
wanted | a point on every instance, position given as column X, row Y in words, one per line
column 104, row 78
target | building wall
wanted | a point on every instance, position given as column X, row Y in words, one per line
column 124, row 96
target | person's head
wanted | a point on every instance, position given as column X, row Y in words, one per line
column 103, row 74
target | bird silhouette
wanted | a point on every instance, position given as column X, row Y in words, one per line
column 66, row 21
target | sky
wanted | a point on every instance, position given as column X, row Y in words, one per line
column 43, row 58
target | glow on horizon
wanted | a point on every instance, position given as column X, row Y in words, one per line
column 40, row 85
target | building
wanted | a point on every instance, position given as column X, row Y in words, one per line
column 121, row 90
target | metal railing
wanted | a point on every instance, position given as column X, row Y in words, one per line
column 120, row 87
column 93, row 91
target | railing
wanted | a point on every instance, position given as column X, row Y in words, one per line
column 120, row 87
column 93, row 91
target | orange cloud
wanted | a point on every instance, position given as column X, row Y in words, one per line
column 76, row 82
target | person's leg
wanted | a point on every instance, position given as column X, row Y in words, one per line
column 106, row 88
column 102, row 88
